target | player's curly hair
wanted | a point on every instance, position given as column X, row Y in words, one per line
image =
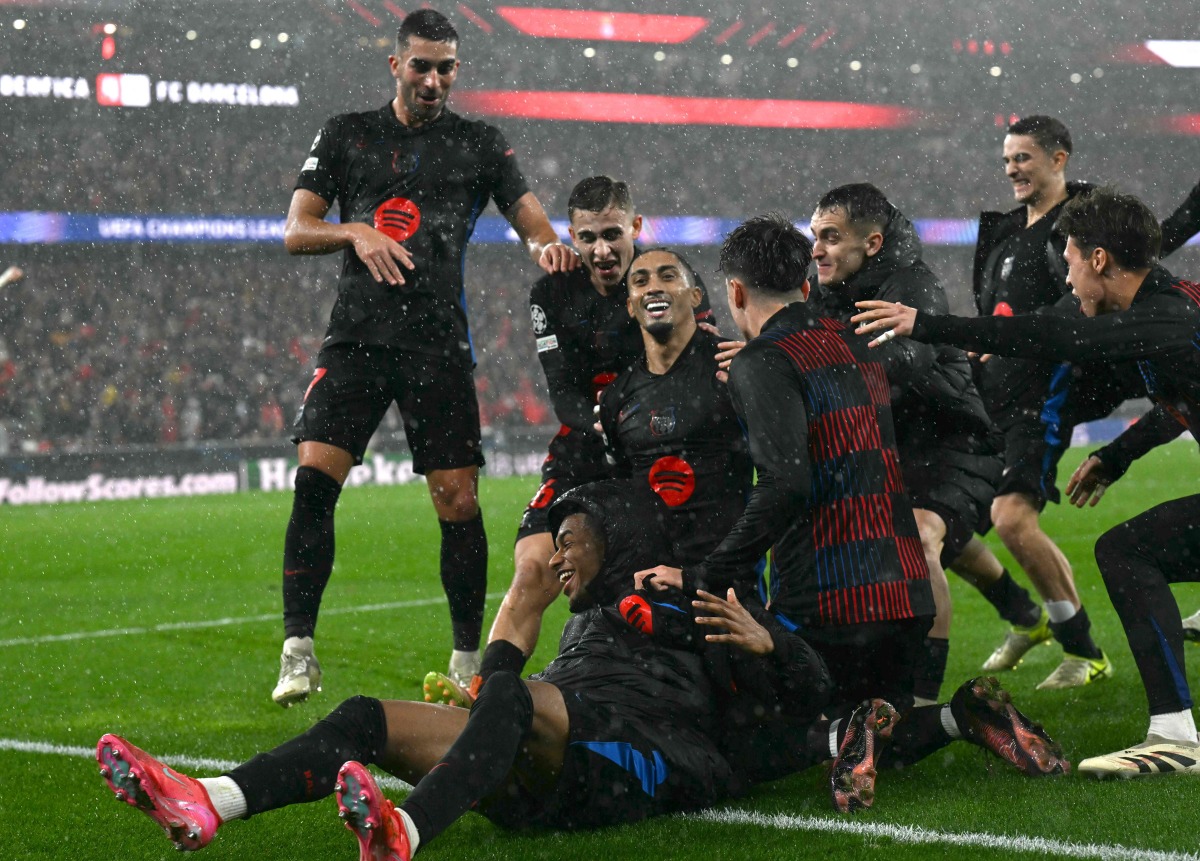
column 1119, row 223
column 768, row 253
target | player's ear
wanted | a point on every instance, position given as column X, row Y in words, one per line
column 629, row 305
column 805, row 289
column 697, row 297
column 874, row 243
column 636, row 226
column 1100, row 259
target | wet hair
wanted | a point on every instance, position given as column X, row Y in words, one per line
column 768, row 254
column 597, row 193
column 1047, row 132
column 865, row 206
column 1119, row 223
column 425, row 24
column 688, row 269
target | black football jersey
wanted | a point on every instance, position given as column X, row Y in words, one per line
column 425, row 187
column 679, row 432
column 583, row 341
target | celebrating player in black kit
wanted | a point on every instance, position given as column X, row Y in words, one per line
column 668, row 419
column 1134, row 310
column 866, row 249
column 410, row 179
column 847, row 570
column 585, row 337
column 1018, row 269
column 616, row 729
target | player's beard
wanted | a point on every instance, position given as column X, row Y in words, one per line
column 661, row 330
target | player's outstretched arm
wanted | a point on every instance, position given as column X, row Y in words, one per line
column 307, row 232
column 889, row 319
column 529, row 220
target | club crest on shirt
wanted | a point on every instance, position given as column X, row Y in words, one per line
column 538, row 318
column 662, row 422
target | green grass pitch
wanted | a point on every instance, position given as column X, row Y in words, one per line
column 160, row 575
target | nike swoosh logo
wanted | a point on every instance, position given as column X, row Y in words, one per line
column 167, row 772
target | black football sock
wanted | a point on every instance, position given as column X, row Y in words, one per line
column 501, row 656
column 464, row 578
column 1075, row 635
column 308, row 550
column 929, row 673
column 1012, row 602
column 918, row 734
column 305, row 768
column 478, row 762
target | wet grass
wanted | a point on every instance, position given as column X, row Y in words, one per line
column 204, row 691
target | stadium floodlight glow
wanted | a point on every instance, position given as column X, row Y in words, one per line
column 589, row 52
column 1097, row 73
column 855, row 65
column 282, row 37
column 995, row 71
column 255, row 44
column 1181, row 53
column 684, row 110
column 659, row 56
column 602, row 26
column 726, row 59
column 109, row 29
column 19, row 24
column 792, row 62
column 915, row 68
column 1076, row 78
column 191, row 35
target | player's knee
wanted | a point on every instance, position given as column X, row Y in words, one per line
column 1013, row 517
column 363, row 722
column 1113, row 548
column 506, row 697
column 455, row 503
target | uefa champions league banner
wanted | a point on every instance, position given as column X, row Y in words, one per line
column 65, row 227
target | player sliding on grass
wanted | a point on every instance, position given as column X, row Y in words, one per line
column 1134, row 310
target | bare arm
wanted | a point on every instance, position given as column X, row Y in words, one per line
column 307, row 232
column 545, row 249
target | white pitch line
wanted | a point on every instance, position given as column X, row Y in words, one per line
column 854, row 827
column 916, row 835
column 218, row 623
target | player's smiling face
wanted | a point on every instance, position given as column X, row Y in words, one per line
column 424, row 75
column 661, row 295
column 577, row 559
column 838, row 250
column 604, row 241
column 1032, row 171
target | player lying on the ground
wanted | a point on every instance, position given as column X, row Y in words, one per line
column 616, row 729
column 1134, row 310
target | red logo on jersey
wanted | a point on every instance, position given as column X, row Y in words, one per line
column 672, row 479
column 1002, row 309
column 317, row 374
column 398, row 218
column 544, row 495
column 600, row 382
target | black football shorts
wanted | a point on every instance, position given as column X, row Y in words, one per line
column 355, row 384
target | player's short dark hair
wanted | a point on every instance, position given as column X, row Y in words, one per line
column 767, row 253
column 425, row 24
column 597, row 193
column 684, row 264
column 1047, row 132
column 1119, row 223
column 865, row 205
